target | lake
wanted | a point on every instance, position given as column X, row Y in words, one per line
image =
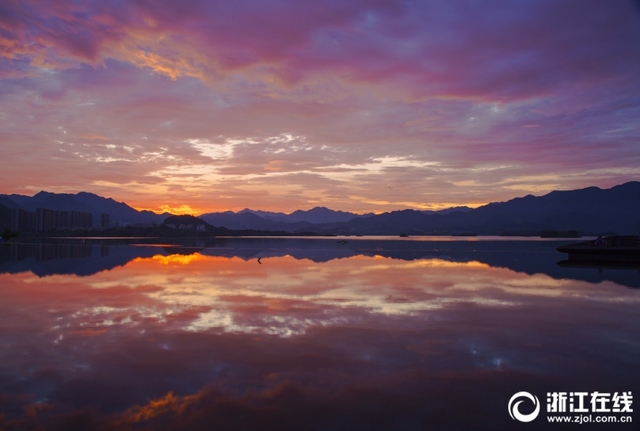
column 319, row 334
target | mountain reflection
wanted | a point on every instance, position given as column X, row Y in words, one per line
column 317, row 336
column 90, row 257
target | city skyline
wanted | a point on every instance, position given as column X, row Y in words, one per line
column 363, row 107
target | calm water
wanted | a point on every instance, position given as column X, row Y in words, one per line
column 318, row 334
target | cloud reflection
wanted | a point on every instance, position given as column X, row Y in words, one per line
column 182, row 342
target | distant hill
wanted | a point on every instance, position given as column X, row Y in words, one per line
column 312, row 216
column 191, row 223
column 297, row 220
column 16, row 199
column 591, row 210
column 447, row 210
column 588, row 210
column 119, row 212
column 8, row 202
column 185, row 221
column 249, row 220
column 321, row 215
column 264, row 214
column 54, row 201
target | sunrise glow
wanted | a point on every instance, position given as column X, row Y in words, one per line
column 192, row 107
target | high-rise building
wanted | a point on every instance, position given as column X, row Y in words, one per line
column 80, row 219
column 23, row 221
column 63, row 219
column 46, row 220
column 105, row 220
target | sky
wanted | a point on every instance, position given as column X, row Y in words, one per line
column 199, row 106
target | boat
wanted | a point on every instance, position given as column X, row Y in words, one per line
column 616, row 250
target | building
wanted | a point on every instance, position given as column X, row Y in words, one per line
column 47, row 220
column 105, row 220
column 80, row 219
column 23, row 221
column 63, row 219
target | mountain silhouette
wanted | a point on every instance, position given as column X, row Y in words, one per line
column 591, row 211
column 322, row 215
column 119, row 212
column 249, row 220
column 588, row 210
column 269, row 215
column 448, row 210
column 59, row 202
column 9, row 203
column 317, row 215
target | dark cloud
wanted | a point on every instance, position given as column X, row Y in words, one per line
column 189, row 100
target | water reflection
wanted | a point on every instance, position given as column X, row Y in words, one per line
column 89, row 257
column 312, row 338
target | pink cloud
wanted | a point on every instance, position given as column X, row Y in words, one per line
column 470, row 51
column 445, row 93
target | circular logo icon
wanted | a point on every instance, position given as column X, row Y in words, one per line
column 514, row 405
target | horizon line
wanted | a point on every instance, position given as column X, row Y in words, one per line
column 186, row 209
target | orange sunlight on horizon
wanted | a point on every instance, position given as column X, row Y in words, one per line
column 176, row 210
column 185, row 209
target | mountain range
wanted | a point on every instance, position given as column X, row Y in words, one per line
column 591, row 210
column 119, row 212
column 264, row 220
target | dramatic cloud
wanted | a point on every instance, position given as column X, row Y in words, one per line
column 365, row 106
